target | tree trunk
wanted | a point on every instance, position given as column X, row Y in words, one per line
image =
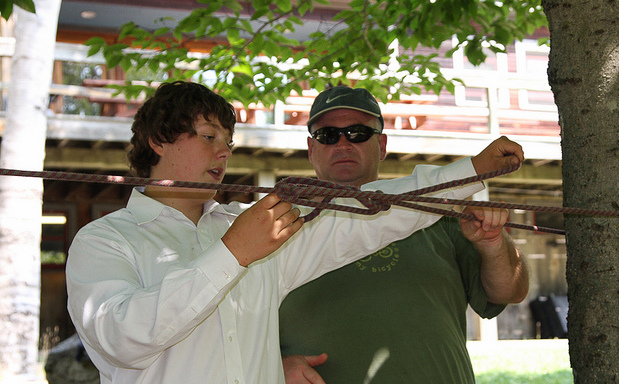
column 23, row 147
column 584, row 76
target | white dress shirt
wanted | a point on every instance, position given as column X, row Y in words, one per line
column 157, row 299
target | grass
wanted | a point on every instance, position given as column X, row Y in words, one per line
column 521, row 362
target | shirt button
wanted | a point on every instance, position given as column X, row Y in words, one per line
column 230, row 338
column 236, row 381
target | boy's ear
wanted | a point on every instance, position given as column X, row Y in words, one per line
column 157, row 147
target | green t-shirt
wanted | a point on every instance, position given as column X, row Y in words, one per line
column 396, row 316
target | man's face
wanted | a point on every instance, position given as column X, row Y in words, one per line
column 344, row 162
column 202, row 157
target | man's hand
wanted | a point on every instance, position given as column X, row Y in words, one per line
column 298, row 369
column 262, row 229
column 501, row 153
column 503, row 272
column 488, row 226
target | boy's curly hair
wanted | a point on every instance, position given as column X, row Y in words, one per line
column 171, row 111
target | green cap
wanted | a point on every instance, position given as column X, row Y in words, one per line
column 343, row 97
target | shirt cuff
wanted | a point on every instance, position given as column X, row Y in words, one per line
column 219, row 265
column 459, row 169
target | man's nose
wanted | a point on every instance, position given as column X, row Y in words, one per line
column 343, row 141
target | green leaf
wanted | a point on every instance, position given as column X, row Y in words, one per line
column 126, row 63
column 259, row 13
column 306, row 6
column 153, row 65
column 113, row 60
column 242, row 68
column 234, row 5
column 228, row 23
column 295, row 20
column 270, row 48
column 284, row 5
column 95, row 44
column 502, row 34
column 234, row 37
column 26, row 5
column 161, row 31
column 246, row 25
column 6, row 9
column 126, row 30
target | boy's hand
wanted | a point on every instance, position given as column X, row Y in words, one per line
column 262, row 229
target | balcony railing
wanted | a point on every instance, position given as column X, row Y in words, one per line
column 427, row 123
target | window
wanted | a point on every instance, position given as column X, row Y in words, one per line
column 477, row 78
column 54, row 238
column 58, row 226
column 532, row 63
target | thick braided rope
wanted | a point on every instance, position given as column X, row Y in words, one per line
column 302, row 191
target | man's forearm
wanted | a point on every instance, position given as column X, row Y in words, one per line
column 504, row 274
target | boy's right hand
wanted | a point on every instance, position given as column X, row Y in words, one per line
column 262, row 229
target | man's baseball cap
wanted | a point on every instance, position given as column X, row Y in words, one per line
column 343, row 97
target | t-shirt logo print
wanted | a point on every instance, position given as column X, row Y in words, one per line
column 380, row 261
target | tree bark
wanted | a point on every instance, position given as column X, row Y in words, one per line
column 584, row 76
column 23, row 147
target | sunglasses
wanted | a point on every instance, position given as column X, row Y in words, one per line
column 357, row 133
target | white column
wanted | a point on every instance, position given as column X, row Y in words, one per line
column 265, row 178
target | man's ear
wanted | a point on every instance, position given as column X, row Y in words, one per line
column 155, row 146
column 382, row 141
column 310, row 147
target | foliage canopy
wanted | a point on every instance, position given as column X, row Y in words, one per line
column 254, row 58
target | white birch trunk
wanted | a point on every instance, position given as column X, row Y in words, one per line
column 23, row 147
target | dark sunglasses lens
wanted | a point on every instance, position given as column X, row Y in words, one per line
column 358, row 134
column 328, row 135
column 353, row 133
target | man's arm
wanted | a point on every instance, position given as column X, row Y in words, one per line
column 504, row 275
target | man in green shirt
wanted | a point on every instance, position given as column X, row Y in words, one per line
column 397, row 316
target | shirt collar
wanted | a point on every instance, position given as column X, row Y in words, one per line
column 142, row 207
column 146, row 209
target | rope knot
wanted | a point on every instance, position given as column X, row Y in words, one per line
column 307, row 192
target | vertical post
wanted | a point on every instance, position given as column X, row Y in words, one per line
column 264, row 178
column 278, row 113
column 493, row 118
